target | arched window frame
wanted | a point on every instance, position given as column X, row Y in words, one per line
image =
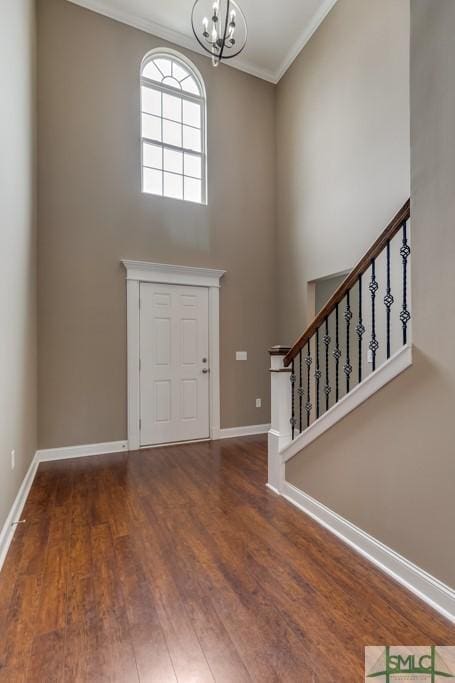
column 201, row 99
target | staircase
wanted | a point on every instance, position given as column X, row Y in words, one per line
column 356, row 344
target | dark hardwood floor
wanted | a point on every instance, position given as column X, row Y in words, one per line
column 177, row 564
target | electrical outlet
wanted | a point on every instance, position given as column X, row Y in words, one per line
column 13, row 459
column 241, row 355
column 370, row 356
column 258, row 403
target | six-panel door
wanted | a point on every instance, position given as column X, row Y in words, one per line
column 174, row 373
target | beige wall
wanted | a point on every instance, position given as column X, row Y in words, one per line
column 343, row 146
column 17, row 247
column 395, row 455
column 92, row 214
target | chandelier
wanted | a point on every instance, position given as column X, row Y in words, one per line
column 220, row 28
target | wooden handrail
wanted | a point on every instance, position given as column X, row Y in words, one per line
column 391, row 230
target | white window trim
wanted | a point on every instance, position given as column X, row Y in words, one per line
column 144, row 271
column 202, row 99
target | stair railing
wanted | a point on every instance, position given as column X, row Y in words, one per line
column 361, row 326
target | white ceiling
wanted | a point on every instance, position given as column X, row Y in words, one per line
column 278, row 29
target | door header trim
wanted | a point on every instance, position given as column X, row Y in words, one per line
column 144, row 271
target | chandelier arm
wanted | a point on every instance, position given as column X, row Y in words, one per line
column 195, row 32
column 231, row 56
column 226, row 22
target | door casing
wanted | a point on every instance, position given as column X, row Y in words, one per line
column 144, row 271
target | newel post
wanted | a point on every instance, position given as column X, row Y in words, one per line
column 280, row 430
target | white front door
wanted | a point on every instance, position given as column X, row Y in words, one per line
column 174, row 363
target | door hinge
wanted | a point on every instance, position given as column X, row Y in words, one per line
column 140, row 424
column 140, row 364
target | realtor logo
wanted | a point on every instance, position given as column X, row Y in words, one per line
column 430, row 664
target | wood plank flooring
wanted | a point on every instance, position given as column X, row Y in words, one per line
column 178, row 565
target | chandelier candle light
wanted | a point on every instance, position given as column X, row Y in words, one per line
column 220, row 28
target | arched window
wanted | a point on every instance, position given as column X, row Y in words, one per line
column 173, row 124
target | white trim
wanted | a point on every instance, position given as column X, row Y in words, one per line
column 399, row 362
column 133, row 384
column 164, row 273
column 303, row 39
column 14, row 515
column 427, row 587
column 247, row 430
column 8, row 530
column 66, row 452
column 280, row 427
column 214, row 355
column 178, row 38
column 172, row 36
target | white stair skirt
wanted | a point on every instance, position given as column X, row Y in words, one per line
column 282, row 448
column 399, row 362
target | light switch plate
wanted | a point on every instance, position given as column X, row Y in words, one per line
column 241, row 355
column 258, row 403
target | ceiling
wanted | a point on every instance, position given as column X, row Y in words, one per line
column 277, row 29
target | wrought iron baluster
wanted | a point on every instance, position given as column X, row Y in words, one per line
column 360, row 329
column 337, row 355
column 373, row 287
column 347, row 365
column 300, row 393
column 327, row 388
column 341, row 343
column 292, row 379
column 405, row 315
column 308, row 405
column 388, row 301
column 317, row 376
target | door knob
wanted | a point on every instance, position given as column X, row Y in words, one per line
column 205, row 370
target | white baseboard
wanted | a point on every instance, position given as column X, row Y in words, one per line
column 393, row 367
column 81, row 451
column 429, row 589
column 7, row 532
column 49, row 454
column 249, row 430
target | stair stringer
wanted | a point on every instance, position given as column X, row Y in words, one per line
column 393, row 367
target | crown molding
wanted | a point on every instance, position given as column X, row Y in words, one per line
column 304, row 37
column 178, row 38
column 175, row 37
